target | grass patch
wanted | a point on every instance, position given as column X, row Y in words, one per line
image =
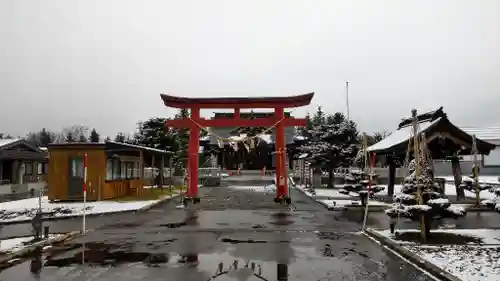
column 150, row 194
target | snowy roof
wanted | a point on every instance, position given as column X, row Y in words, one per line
column 488, row 133
column 400, row 136
column 266, row 138
column 139, row 147
column 108, row 145
column 302, row 156
column 397, row 142
column 298, row 137
column 4, row 142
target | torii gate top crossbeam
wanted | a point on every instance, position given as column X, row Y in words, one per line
column 238, row 102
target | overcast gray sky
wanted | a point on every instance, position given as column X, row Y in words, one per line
column 104, row 63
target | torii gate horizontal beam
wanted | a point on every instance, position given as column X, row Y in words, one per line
column 237, row 102
column 229, row 122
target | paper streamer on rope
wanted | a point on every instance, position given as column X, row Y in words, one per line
column 220, row 143
column 244, row 139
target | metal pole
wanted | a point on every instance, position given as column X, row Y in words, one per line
column 347, row 98
column 369, row 190
column 40, row 194
column 170, row 162
column 85, row 161
column 476, row 169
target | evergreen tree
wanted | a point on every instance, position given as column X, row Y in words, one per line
column 69, row 137
column 120, row 137
column 82, row 138
column 422, row 198
column 94, row 136
column 331, row 144
column 319, row 117
column 304, row 131
column 181, row 138
column 107, row 139
column 152, row 133
column 46, row 137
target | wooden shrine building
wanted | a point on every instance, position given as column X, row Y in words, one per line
column 261, row 155
column 444, row 140
column 114, row 169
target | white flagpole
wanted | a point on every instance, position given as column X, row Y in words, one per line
column 347, row 99
column 84, row 190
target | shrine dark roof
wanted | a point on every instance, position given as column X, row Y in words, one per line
column 237, row 102
column 246, row 115
column 436, row 126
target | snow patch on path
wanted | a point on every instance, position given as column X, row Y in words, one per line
column 332, row 204
column 26, row 209
column 469, row 263
column 18, row 243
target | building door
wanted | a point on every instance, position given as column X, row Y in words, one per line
column 75, row 177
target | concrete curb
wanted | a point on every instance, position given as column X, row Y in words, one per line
column 29, row 249
column 427, row 266
column 357, row 208
column 311, row 198
column 161, row 201
column 145, row 208
column 346, row 207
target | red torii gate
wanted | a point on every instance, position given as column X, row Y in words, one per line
column 237, row 103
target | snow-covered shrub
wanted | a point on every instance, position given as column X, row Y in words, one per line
column 433, row 207
column 493, row 203
column 360, row 183
column 468, row 184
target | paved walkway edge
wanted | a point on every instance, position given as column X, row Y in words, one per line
column 418, row 261
column 28, row 249
column 345, row 208
column 145, row 208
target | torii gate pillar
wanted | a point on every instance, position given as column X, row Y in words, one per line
column 195, row 123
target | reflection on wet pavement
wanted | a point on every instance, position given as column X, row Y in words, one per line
column 205, row 244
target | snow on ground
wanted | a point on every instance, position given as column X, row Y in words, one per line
column 488, row 236
column 256, row 188
column 334, row 193
column 332, row 204
column 342, row 201
column 469, row 263
column 15, row 244
column 482, row 179
column 449, row 190
column 26, row 209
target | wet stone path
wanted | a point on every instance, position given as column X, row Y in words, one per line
column 233, row 234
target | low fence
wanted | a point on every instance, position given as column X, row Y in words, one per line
column 21, row 188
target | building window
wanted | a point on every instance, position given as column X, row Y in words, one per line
column 116, row 169
column 109, row 170
column 136, row 170
column 39, row 168
column 77, row 168
column 123, row 174
column 28, row 168
column 130, row 170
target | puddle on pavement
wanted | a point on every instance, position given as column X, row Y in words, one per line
column 190, row 221
column 437, row 238
column 245, row 261
column 238, row 241
column 282, row 218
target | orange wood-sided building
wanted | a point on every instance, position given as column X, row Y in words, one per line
column 113, row 169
